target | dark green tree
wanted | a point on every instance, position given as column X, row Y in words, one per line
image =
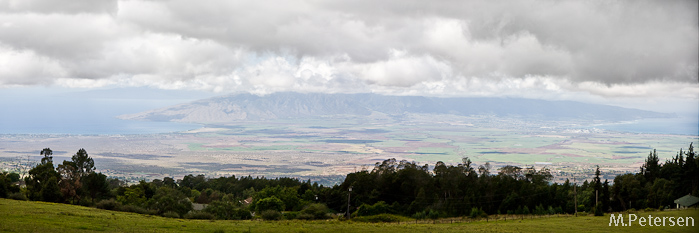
column 96, row 185
column 168, row 199
column 269, row 203
column 651, row 168
column 50, row 192
column 46, row 152
column 38, row 179
column 82, row 162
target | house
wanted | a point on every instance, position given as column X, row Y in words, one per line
column 686, row 201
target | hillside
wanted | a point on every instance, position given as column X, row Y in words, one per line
column 242, row 107
column 27, row 216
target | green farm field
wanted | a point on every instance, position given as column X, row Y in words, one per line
column 27, row 216
column 309, row 149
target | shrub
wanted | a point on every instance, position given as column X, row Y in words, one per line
column 242, row 214
column 597, row 210
column 271, row 215
column 290, row 215
column 198, row 215
column 227, row 210
column 17, row 196
column 110, row 204
column 316, row 211
column 433, row 214
column 269, row 203
column 304, row 216
column 171, row 214
column 377, row 208
column 420, row 215
column 559, row 210
column 381, row 218
column 477, row 212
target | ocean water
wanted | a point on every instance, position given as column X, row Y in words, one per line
column 685, row 125
column 109, row 126
column 80, row 113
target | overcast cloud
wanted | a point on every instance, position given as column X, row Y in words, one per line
column 534, row 49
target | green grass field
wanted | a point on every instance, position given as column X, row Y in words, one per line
column 25, row 216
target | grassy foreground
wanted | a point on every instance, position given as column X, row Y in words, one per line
column 26, row 216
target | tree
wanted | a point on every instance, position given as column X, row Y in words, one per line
column 227, row 210
column 83, row 164
column 269, row 203
column 651, row 168
column 168, row 199
column 38, row 179
column 46, row 152
column 50, row 192
column 95, row 184
column 70, row 181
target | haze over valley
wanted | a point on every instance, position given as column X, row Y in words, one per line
column 319, row 89
column 322, row 137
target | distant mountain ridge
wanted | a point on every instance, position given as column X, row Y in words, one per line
column 289, row 105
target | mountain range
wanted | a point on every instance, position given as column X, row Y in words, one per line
column 288, row 105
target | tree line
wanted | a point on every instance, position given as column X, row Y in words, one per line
column 391, row 187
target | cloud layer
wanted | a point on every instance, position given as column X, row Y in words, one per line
column 447, row 48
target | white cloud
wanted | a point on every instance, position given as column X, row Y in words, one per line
column 530, row 48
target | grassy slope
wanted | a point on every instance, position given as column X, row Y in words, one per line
column 24, row 216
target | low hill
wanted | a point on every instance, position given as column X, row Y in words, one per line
column 245, row 107
column 28, row 216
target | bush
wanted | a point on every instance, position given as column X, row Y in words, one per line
column 269, row 203
column 227, row 211
column 17, row 196
column 171, row 214
column 477, row 212
column 110, row 204
column 597, row 209
column 433, row 214
column 271, row 215
column 290, row 215
column 381, row 218
column 649, row 209
column 304, row 216
column 377, row 208
column 198, row 215
column 420, row 215
column 243, row 214
column 559, row 210
column 316, row 211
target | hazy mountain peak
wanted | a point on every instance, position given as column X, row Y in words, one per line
column 286, row 105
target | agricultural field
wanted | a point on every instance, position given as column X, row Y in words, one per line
column 26, row 216
column 329, row 149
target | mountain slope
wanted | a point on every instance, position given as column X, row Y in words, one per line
column 242, row 107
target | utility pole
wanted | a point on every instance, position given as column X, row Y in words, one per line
column 596, row 196
column 575, row 195
column 348, row 202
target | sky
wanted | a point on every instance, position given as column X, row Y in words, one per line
column 640, row 54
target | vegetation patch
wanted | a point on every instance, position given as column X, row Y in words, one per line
column 382, row 218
